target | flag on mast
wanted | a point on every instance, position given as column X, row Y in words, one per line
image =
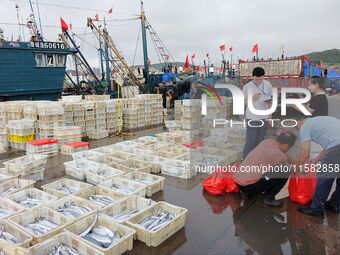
column 222, row 47
column 64, row 26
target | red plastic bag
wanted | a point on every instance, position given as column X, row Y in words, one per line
column 231, row 184
column 302, row 187
column 220, row 182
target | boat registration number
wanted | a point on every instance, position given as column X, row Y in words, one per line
column 47, row 45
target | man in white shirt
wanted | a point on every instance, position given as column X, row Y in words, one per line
column 261, row 91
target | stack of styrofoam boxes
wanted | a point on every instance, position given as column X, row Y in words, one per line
column 100, row 121
column 51, row 116
column 79, row 116
column 68, row 114
column 67, row 134
column 90, row 116
column 112, row 115
column 191, row 114
column 14, row 110
column 133, row 114
column 178, row 109
column 156, row 109
column 20, row 132
column 97, row 97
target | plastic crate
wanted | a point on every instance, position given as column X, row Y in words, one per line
column 135, row 187
column 18, row 184
column 23, row 238
column 98, row 133
column 177, row 150
column 131, row 165
column 77, row 168
column 105, row 150
column 5, row 177
column 178, row 168
column 11, row 206
column 155, row 238
column 12, row 249
column 50, row 125
column 107, row 160
column 51, row 118
column 86, row 155
column 129, row 204
column 156, row 183
column 78, row 201
column 125, row 243
column 155, row 146
column 32, row 193
column 25, row 164
column 35, row 176
column 53, row 187
column 68, row 239
column 104, row 191
column 154, row 160
column 30, row 216
column 70, row 148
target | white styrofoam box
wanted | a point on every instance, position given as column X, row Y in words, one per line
column 77, row 168
column 86, row 154
column 178, row 168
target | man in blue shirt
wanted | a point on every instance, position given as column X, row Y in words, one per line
column 324, row 131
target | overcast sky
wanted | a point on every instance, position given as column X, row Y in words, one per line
column 196, row 26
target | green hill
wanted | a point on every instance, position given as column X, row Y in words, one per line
column 330, row 57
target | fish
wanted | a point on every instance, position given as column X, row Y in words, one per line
column 121, row 189
column 4, row 212
column 41, row 226
column 104, row 200
column 29, row 202
column 90, row 227
column 68, row 190
column 102, row 236
column 63, row 249
column 10, row 190
column 121, row 217
column 144, row 181
column 158, row 221
column 7, row 237
column 70, row 209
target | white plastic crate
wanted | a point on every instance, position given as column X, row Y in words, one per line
column 77, row 168
column 5, row 177
column 35, row 176
column 54, row 188
column 131, row 165
column 129, row 204
column 24, row 238
column 101, row 174
column 178, row 168
column 10, row 206
column 26, row 164
column 15, row 185
column 130, row 187
column 98, row 133
column 89, row 154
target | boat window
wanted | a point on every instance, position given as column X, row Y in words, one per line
column 60, row 60
column 50, row 60
column 40, row 60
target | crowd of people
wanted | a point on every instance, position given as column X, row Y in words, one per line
column 319, row 138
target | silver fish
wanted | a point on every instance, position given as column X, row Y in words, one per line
column 121, row 217
column 63, row 249
column 156, row 222
column 41, row 226
column 102, row 236
column 90, row 227
column 29, row 202
column 7, row 237
column 68, row 190
column 10, row 190
column 104, row 200
column 73, row 210
column 144, row 181
column 122, row 189
column 5, row 212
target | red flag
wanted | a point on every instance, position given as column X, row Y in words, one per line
column 231, row 49
column 70, row 26
column 255, row 48
column 63, row 24
column 222, row 47
column 198, row 68
column 193, row 56
column 97, row 17
column 187, row 64
column 207, row 55
column 110, row 11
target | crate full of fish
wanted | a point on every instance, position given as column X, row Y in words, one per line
column 155, row 146
column 64, row 243
column 15, row 185
column 31, row 198
column 104, row 234
column 134, row 165
column 178, row 150
column 147, row 139
column 154, row 160
column 9, row 249
column 35, row 176
column 69, row 148
column 101, row 174
column 102, row 196
column 63, row 187
column 125, row 187
column 127, row 208
column 26, row 164
column 178, row 168
column 155, row 225
column 171, row 138
column 106, row 150
column 41, row 222
column 77, row 168
column 85, row 155
column 73, row 207
column 9, row 234
column 107, row 160
column 154, row 183
column 4, row 177
column 8, row 208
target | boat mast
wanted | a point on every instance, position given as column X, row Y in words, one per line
column 145, row 48
column 107, row 60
